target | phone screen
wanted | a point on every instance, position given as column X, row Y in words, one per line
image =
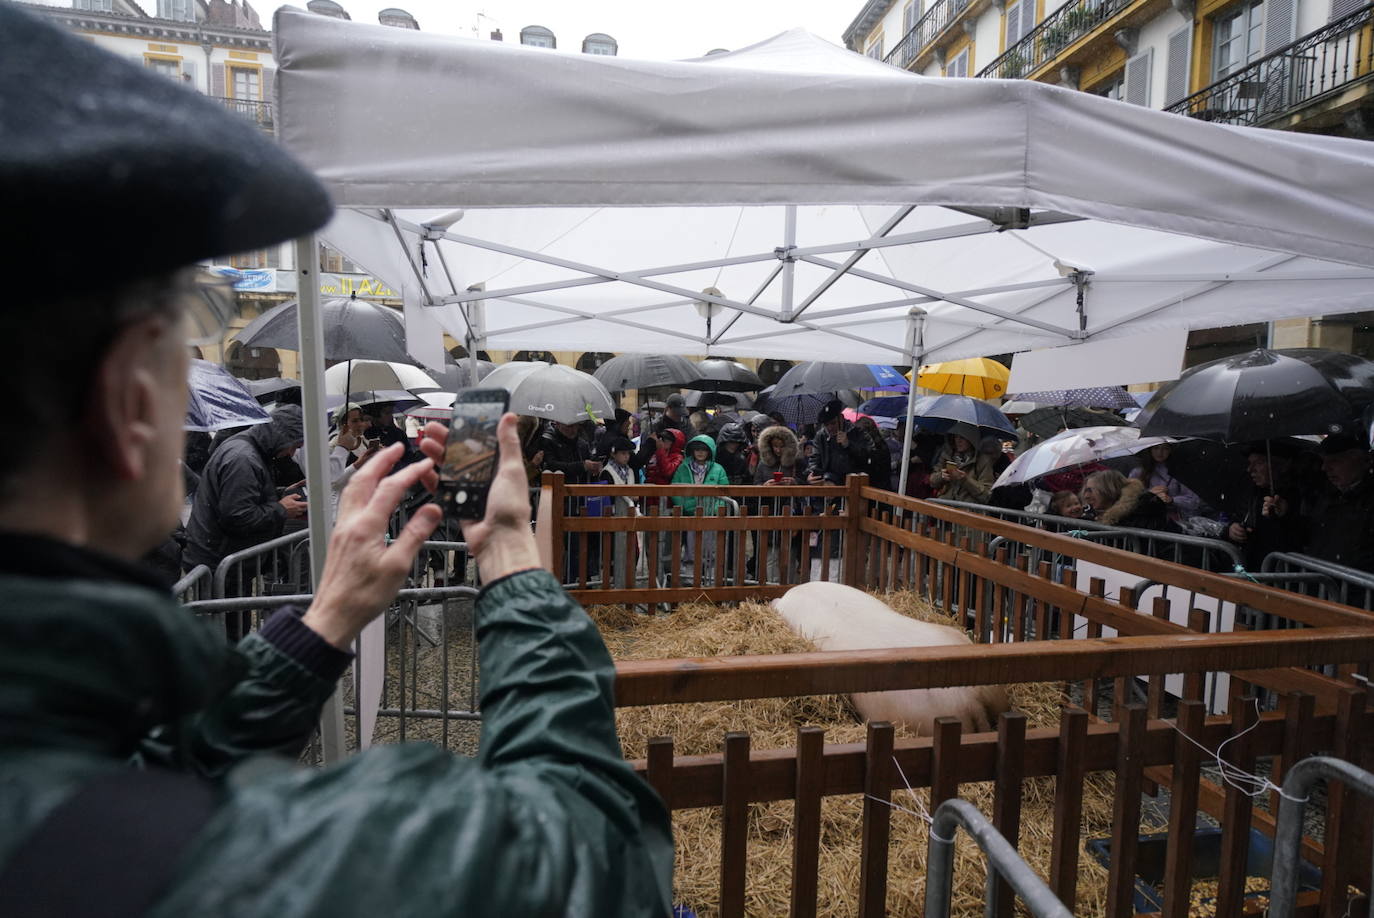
column 470, row 455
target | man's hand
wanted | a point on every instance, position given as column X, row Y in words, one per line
column 502, row 541
column 1274, row 506
column 363, row 573
column 1237, row 533
column 592, row 466
column 955, row 474
column 815, row 479
column 295, row 506
column 841, row 438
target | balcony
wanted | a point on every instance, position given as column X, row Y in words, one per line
column 260, row 113
column 928, row 28
column 1055, row 32
column 1317, row 67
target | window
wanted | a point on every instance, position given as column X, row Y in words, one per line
column 599, row 43
column 180, row 10
column 1114, row 88
column 95, row 6
column 166, row 66
column 269, row 257
column 958, row 65
column 537, row 37
column 335, row 262
column 534, row 356
column 911, row 14
column 1237, row 37
column 591, row 361
column 246, row 83
column 875, row 50
column 1020, row 20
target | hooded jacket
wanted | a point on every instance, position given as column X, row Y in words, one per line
column 715, row 475
column 547, row 819
column 566, row 454
column 979, row 475
column 771, row 460
column 236, row 504
column 665, row 462
column 1136, row 508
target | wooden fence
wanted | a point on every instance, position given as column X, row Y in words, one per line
column 1026, row 617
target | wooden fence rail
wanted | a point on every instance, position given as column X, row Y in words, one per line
column 1034, row 622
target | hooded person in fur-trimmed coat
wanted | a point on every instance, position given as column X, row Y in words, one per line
column 1117, row 500
column 778, row 452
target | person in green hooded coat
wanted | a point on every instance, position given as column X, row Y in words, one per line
column 149, row 768
column 700, row 468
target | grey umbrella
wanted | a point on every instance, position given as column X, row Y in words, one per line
column 552, row 391
column 644, row 371
column 353, row 329
column 718, row 375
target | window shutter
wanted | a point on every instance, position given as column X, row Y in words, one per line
column 1138, row 78
column 1342, row 8
column 1176, row 79
column 1280, row 24
column 269, row 85
column 217, row 81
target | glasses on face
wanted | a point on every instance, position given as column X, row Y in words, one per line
column 210, row 306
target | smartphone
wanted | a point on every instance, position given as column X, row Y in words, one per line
column 470, row 454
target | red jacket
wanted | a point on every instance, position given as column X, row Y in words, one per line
column 665, row 462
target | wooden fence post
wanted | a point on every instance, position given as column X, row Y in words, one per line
column 548, row 523
column 856, row 506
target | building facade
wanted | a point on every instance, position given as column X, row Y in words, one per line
column 1303, row 65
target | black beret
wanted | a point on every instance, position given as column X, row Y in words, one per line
column 93, row 147
column 1341, row 443
column 830, row 411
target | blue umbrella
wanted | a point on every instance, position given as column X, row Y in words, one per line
column 893, row 406
column 219, row 400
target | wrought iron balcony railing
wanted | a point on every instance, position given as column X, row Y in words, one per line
column 1335, row 56
column 934, row 21
column 260, row 113
column 1055, row 32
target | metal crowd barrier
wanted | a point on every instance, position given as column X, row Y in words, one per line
column 1003, row 862
column 197, row 584
column 1301, row 778
column 1334, row 582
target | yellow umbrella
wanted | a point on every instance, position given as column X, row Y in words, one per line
column 978, row 377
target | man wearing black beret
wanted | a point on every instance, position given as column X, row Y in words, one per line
column 1343, row 525
column 146, row 767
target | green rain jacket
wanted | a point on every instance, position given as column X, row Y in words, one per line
column 715, row 475
column 547, row 820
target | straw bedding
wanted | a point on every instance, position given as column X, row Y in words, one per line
column 704, row 629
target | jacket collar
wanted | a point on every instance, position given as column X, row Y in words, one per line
column 98, row 660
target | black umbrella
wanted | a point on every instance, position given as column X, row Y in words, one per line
column 353, row 329
column 266, row 390
column 458, row 375
column 1046, row 422
column 645, row 371
column 718, row 399
column 800, row 410
column 1262, row 395
column 816, row 377
column 718, row 375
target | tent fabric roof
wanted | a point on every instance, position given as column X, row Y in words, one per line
column 601, row 195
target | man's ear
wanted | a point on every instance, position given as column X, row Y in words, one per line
column 121, row 419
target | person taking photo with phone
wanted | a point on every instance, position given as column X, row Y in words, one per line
column 149, row 768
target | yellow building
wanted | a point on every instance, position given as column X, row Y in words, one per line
column 1303, row 65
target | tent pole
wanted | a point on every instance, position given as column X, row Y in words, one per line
column 789, row 263
column 915, row 353
column 477, row 332
column 310, row 331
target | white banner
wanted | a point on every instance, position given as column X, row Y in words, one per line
column 1144, row 358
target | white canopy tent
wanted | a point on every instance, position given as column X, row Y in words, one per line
column 529, row 198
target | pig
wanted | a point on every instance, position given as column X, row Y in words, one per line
column 837, row 617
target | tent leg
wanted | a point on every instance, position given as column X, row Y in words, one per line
column 915, row 353
column 789, row 262
column 310, row 329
